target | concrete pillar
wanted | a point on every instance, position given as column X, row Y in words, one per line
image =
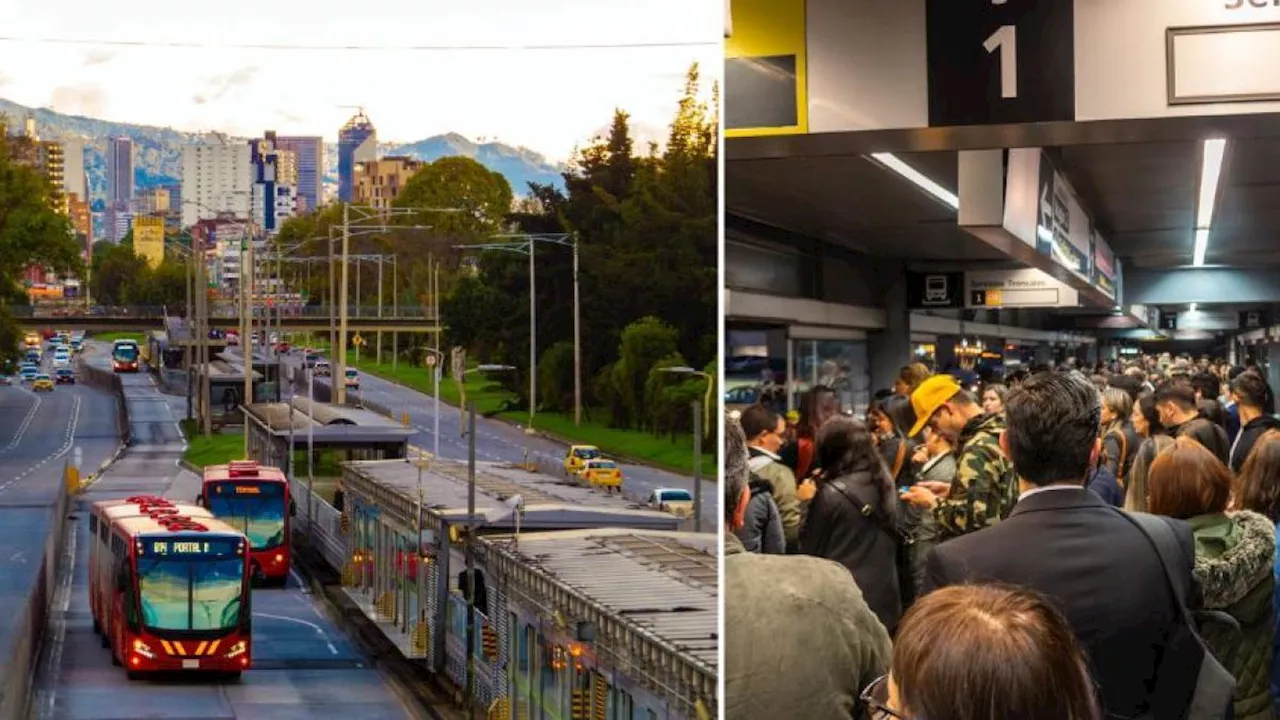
column 889, row 349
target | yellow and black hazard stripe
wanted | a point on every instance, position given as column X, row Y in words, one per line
column 177, row 648
column 765, row 69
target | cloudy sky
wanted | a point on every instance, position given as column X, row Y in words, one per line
column 506, row 85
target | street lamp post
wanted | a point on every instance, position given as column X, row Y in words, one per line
column 435, row 359
column 699, row 429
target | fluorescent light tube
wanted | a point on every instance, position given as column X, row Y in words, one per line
column 895, row 164
column 1210, row 174
column 1202, row 244
column 1193, row 307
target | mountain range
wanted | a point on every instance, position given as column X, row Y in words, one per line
column 158, row 151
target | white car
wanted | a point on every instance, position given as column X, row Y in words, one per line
column 322, row 369
column 61, row 359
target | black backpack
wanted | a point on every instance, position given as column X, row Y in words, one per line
column 1191, row 684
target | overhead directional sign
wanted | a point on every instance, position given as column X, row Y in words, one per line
column 1021, row 288
column 1061, row 229
column 878, row 65
column 1105, row 269
column 1251, row 319
column 764, row 69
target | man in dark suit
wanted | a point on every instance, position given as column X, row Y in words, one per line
column 1062, row 540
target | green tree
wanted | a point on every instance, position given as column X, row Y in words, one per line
column 483, row 196
column 555, row 377
column 644, row 343
column 115, row 275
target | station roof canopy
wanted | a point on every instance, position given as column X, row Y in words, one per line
column 276, row 418
column 222, row 371
column 1138, row 179
column 665, row 583
column 548, row 502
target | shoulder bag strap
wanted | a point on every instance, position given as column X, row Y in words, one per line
column 901, row 457
column 866, row 510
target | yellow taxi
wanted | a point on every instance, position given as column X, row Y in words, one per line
column 42, row 383
column 577, row 458
column 602, row 473
column 32, row 340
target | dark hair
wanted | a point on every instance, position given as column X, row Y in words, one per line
column 1187, row 480
column 1016, row 377
column 900, row 412
column 736, row 472
column 1053, row 423
column 912, row 375
column 844, row 447
column 1147, row 406
column 758, row 419
column 1177, row 393
column 1212, row 411
column 988, row 651
column 1126, row 382
column 1259, row 489
column 1208, row 385
column 1252, row 390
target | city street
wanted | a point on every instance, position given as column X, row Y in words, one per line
column 304, row 665
column 500, row 441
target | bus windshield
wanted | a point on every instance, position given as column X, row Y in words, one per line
column 256, row 509
column 125, row 353
column 196, row 590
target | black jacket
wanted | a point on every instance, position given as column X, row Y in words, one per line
column 839, row 529
column 1248, row 437
column 1208, row 434
column 1098, row 568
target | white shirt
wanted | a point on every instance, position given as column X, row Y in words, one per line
column 1047, row 488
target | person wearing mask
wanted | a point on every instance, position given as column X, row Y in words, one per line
column 1118, row 438
column 764, row 430
column 1009, row 654
column 1260, row 493
column 1250, row 393
column 853, row 518
column 993, row 398
column 799, row 638
column 1135, row 497
column 1176, row 403
column 984, row 487
column 1235, row 554
column 1065, row 542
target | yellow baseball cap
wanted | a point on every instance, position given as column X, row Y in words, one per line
column 929, row 396
column 793, row 416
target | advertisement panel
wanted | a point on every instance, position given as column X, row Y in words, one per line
column 1104, row 266
column 148, row 239
column 764, row 69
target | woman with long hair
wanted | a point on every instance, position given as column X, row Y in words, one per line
column 1135, row 496
column 1235, row 555
column 1259, row 491
column 1145, row 417
column 993, row 398
column 980, row 652
column 853, row 517
column 1117, row 408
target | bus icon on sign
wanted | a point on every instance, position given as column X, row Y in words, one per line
column 935, row 289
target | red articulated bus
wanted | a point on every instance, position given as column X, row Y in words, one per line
column 254, row 500
column 169, row 587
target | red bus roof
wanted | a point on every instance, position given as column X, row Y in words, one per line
column 244, row 470
column 151, row 514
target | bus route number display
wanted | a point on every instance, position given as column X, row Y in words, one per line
column 181, row 548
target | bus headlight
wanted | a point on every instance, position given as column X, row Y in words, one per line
column 143, row 649
column 238, row 649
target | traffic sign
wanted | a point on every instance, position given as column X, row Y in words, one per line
column 431, row 360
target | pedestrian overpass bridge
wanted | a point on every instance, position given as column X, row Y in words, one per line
column 314, row 319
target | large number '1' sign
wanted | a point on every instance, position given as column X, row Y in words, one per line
column 1000, row 61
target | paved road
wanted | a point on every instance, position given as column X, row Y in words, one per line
column 304, row 665
column 501, row 441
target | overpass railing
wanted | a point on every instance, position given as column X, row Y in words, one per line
column 220, row 311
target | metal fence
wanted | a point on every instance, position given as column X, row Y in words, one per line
column 218, row 311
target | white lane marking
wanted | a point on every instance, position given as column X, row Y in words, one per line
column 26, row 423
column 69, row 439
column 57, row 632
column 298, row 579
column 319, row 630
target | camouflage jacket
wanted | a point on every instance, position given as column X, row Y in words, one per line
column 985, row 487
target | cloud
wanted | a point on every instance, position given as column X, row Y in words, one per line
column 199, row 99
column 98, row 57
column 88, row 100
column 5, row 78
column 220, row 85
column 289, row 117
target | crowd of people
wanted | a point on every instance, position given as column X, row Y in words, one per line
column 1047, row 545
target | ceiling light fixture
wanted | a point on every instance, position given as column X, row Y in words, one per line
column 1215, row 150
column 1193, row 307
column 894, row 163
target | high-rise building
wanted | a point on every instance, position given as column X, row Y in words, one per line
column 119, row 185
column 379, row 182
column 74, row 179
column 152, row 201
column 357, row 143
column 273, row 196
column 216, row 177
column 148, row 239
column 81, row 216
column 308, row 155
column 175, row 196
